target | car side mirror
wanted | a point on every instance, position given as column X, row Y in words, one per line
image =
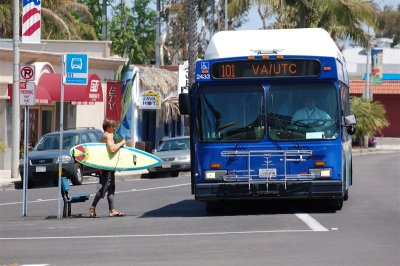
column 184, row 104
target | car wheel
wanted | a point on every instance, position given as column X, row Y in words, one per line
column 152, row 175
column 175, row 174
column 31, row 183
column 77, row 177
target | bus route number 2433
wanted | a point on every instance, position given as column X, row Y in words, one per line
column 203, row 76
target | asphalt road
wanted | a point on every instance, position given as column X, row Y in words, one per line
column 165, row 226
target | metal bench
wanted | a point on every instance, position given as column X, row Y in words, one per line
column 68, row 199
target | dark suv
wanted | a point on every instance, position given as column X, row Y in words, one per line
column 43, row 159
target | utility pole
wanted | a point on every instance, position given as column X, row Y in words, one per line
column 158, row 30
column 192, row 15
column 15, row 96
column 104, row 21
column 367, row 93
column 226, row 15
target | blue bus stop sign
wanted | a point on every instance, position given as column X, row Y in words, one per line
column 76, row 67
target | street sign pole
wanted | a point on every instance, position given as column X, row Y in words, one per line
column 61, row 139
column 27, row 98
column 25, row 183
column 74, row 71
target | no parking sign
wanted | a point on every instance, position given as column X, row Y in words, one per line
column 27, row 72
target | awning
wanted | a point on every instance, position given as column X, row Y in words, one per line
column 76, row 94
column 42, row 96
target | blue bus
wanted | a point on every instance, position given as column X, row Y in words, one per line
column 270, row 119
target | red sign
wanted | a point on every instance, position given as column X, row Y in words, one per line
column 27, row 72
column 113, row 100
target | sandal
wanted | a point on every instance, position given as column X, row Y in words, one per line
column 116, row 214
column 92, row 211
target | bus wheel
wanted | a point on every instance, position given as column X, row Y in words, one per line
column 346, row 195
column 214, row 207
column 335, row 204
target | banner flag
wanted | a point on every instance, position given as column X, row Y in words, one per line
column 125, row 127
column 376, row 66
column 113, row 100
column 31, row 19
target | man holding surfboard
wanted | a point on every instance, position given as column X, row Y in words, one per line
column 108, row 176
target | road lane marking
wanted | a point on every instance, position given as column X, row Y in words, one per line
column 132, row 190
column 155, row 235
column 311, row 222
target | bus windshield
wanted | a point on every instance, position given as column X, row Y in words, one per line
column 302, row 111
column 230, row 113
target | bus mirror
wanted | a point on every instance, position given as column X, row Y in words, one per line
column 351, row 130
column 184, row 103
column 350, row 120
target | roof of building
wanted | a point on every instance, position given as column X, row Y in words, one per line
column 358, row 55
column 310, row 41
column 388, row 87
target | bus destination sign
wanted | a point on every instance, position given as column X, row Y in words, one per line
column 266, row 68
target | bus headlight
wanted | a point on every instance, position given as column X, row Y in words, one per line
column 321, row 172
column 216, row 174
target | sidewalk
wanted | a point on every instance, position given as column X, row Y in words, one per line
column 383, row 144
column 6, row 182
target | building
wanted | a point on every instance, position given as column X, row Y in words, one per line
column 83, row 107
column 388, row 93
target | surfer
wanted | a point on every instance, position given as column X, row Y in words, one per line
column 107, row 177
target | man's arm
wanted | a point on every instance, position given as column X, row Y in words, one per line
column 111, row 146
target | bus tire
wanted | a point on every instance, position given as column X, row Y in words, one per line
column 335, row 204
column 346, row 195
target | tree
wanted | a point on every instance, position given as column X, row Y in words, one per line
column 344, row 19
column 371, row 118
column 388, row 24
column 132, row 31
column 95, row 9
column 61, row 19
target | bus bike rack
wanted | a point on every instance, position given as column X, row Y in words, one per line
column 249, row 174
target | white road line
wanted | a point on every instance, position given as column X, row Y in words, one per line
column 154, row 235
column 311, row 222
column 132, row 190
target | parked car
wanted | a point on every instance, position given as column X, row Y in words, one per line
column 43, row 158
column 175, row 152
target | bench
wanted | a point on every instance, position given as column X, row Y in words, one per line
column 68, row 199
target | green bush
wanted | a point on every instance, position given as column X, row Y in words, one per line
column 371, row 118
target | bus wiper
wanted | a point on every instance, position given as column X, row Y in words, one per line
column 281, row 121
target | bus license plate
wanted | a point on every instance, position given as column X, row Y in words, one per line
column 166, row 165
column 40, row 169
column 264, row 172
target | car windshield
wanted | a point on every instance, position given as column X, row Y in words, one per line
column 52, row 142
column 230, row 113
column 302, row 111
column 174, row 144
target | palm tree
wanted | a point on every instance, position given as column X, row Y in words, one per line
column 344, row 19
column 371, row 118
column 61, row 19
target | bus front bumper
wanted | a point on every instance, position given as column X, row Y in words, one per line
column 294, row 189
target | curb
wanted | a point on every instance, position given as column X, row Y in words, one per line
column 119, row 176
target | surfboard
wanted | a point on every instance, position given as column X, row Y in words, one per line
column 126, row 158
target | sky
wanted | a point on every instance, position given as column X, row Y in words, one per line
column 254, row 21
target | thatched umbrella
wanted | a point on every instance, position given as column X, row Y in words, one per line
column 165, row 82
